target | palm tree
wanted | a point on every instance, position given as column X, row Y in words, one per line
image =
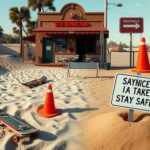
column 16, row 30
column 30, row 25
column 1, row 31
column 41, row 4
column 18, row 16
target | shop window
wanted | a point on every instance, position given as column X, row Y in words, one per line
column 60, row 45
column 70, row 46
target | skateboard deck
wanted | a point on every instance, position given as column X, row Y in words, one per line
column 37, row 82
column 21, row 128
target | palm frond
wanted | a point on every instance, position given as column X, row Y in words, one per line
column 25, row 13
column 16, row 30
column 49, row 4
column 1, row 29
column 52, row 8
column 13, row 17
column 38, row 4
column 31, row 3
column 14, row 9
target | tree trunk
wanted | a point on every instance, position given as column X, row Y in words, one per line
column 39, row 5
column 21, row 45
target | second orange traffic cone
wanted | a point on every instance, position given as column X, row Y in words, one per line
column 142, row 62
column 48, row 109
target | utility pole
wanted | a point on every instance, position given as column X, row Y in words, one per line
column 106, row 3
column 105, row 13
column 105, row 26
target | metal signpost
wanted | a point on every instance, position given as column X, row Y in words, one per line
column 101, row 49
column 131, row 91
column 131, row 25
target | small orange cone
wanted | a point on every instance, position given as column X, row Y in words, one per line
column 48, row 109
column 142, row 62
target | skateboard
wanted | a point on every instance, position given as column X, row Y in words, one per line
column 21, row 128
column 37, row 82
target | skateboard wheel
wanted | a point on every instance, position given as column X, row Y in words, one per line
column 33, row 134
column 3, row 133
column 15, row 139
column 30, row 86
column 2, row 125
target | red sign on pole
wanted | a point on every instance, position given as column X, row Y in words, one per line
column 131, row 25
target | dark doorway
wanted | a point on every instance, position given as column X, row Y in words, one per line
column 47, row 50
column 80, row 45
column 84, row 46
column 90, row 45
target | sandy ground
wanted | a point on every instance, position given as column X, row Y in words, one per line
column 111, row 130
column 82, row 100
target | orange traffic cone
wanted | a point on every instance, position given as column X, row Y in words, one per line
column 142, row 62
column 48, row 109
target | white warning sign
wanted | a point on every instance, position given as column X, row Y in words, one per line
column 131, row 91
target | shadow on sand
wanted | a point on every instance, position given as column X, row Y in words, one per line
column 71, row 111
column 84, row 77
column 46, row 136
column 136, row 118
column 119, row 68
column 76, row 110
column 3, row 71
column 109, row 77
column 6, row 50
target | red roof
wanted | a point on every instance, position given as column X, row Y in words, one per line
column 29, row 38
column 71, row 30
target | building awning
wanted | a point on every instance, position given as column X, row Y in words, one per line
column 71, row 30
column 30, row 38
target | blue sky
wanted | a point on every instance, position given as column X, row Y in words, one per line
column 131, row 8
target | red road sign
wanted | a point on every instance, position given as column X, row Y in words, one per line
column 131, row 25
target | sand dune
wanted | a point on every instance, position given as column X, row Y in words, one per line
column 113, row 131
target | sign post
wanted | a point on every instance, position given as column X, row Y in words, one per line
column 101, row 54
column 130, row 115
column 131, row 25
column 131, row 65
column 132, row 92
